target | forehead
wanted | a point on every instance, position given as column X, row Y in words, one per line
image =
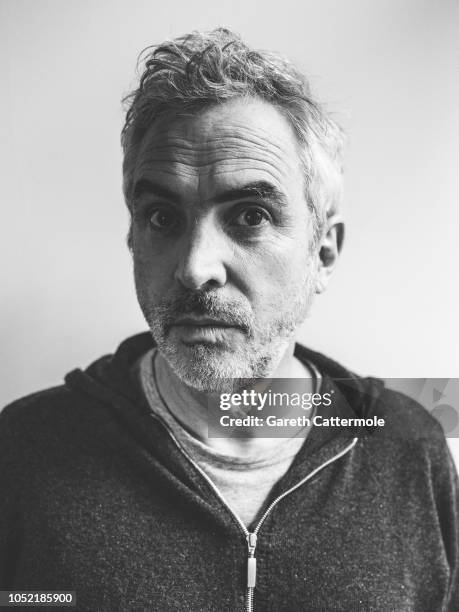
column 235, row 142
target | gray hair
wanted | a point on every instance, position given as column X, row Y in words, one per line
column 199, row 70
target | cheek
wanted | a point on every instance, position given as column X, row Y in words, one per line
column 153, row 264
column 274, row 271
column 150, row 275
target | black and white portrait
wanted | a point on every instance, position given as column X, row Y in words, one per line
column 229, row 356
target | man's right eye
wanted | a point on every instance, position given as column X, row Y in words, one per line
column 163, row 219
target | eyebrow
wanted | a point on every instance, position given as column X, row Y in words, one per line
column 146, row 186
column 262, row 190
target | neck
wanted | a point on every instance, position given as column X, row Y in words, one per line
column 190, row 406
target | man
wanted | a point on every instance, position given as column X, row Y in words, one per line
column 112, row 485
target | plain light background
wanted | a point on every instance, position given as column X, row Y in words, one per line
column 387, row 69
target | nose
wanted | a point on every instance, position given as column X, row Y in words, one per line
column 202, row 262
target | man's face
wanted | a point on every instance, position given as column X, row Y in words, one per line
column 221, row 240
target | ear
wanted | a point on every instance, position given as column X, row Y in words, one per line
column 129, row 236
column 329, row 250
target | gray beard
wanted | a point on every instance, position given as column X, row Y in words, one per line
column 213, row 368
column 209, row 369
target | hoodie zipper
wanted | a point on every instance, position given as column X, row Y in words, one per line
column 251, row 537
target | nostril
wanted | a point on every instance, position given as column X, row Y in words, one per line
column 213, row 284
column 199, row 281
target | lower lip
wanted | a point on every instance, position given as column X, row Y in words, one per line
column 211, row 334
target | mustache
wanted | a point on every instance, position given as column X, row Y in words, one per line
column 205, row 303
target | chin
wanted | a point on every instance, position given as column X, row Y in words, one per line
column 212, row 369
column 205, row 367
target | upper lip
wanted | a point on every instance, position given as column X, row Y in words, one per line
column 201, row 320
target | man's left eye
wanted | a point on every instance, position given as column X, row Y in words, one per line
column 252, row 217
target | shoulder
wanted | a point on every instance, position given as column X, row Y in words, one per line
column 40, row 405
column 404, row 416
column 48, row 418
column 35, row 405
column 413, row 440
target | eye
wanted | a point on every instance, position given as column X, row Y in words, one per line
column 251, row 217
column 163, row 219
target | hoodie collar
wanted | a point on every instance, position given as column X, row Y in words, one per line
column 111, row 376
column 110, row 380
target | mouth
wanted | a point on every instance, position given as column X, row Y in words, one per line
column 198, row 321
column 195, row 329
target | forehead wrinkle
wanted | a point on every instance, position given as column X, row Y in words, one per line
column 198, row 162
column 198, row 174
column 217, row 147
column 258, row 137
column 149, row 164
column 190, row 130
column 205, row 160
column 196, row 193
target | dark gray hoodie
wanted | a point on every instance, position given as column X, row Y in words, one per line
column 97, row 497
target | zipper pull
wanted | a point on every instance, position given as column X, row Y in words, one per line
column 251, row 560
